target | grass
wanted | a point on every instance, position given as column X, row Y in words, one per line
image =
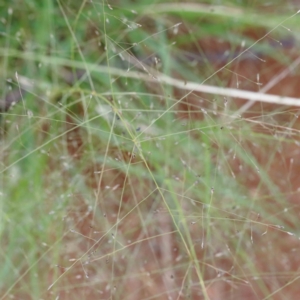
column 153, row 151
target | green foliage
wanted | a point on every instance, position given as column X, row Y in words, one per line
column 106, row 159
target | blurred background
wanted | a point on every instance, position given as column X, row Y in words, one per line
column 149, row 149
